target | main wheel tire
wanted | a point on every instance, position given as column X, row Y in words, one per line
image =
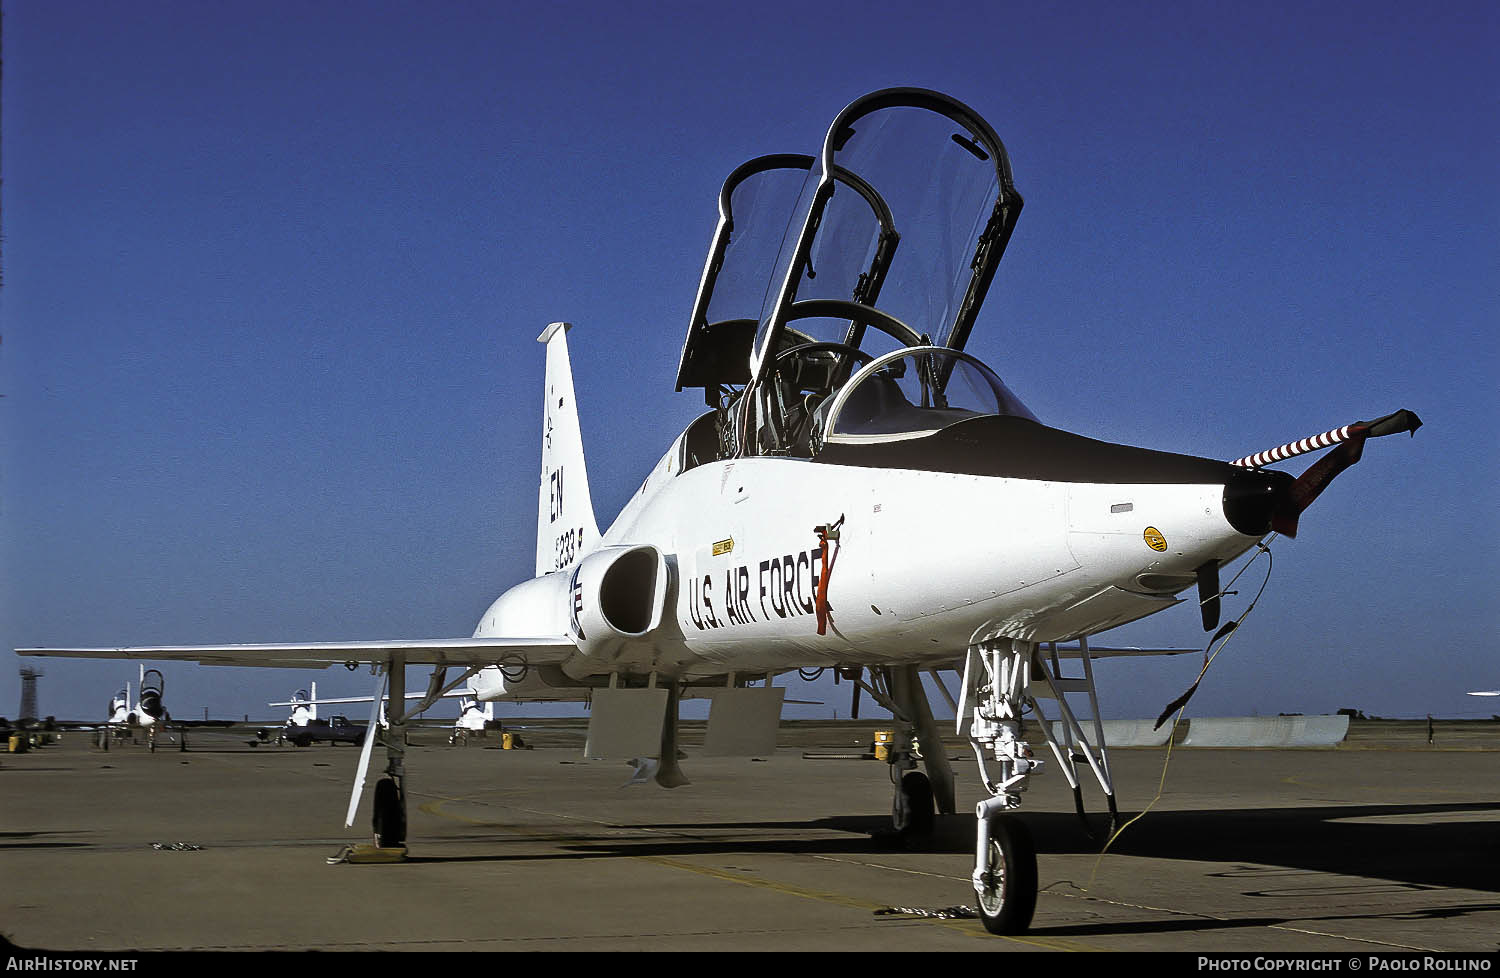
column 1007, row 894
column 911, row 811
column 390, row 815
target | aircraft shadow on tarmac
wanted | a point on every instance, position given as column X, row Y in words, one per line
column 1386, row 846
column 30, row 840
column 1409, row 845
column 1201, row 925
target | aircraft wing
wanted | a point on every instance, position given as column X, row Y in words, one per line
column 462, row 692
column 1108, row 651
column 319, row 655
column 43, row 724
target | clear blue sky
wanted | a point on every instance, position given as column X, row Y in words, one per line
column 273, row 274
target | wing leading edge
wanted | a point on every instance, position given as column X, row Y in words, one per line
column 318, row 655
column 1108, row 651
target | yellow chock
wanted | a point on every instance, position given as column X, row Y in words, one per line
column 883, row 741
column 365, row 853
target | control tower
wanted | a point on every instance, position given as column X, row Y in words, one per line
column 29, row 676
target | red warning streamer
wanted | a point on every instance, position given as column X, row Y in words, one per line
column 825, row 534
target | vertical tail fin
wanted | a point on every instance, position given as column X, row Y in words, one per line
column 565, row 524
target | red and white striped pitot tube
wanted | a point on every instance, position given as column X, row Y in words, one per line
column 1402, row 420
column 1294, row 448
column 1312, row 482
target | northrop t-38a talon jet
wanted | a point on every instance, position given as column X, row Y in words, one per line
column 149, row 714
column 805, row 520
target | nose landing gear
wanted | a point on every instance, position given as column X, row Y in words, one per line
column 1004, row 877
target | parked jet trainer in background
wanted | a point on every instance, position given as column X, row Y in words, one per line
column 303, row 726
column 149, row 713
column 791, row 526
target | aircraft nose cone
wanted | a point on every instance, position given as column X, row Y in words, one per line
column 1252, row 498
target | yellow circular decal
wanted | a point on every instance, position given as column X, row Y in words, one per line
column 1155, row 540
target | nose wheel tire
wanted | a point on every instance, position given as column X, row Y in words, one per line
column 1006, row 889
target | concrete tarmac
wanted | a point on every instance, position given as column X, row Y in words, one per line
column 1383, row 846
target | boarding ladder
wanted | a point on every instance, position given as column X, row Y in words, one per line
column 1069, row 740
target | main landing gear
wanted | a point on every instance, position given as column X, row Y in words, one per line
column 911, row 809
column 916, row 793
column 389, row 819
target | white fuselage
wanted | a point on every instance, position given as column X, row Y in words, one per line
column 925, row 564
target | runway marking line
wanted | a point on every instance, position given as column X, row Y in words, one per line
column 1088, row 897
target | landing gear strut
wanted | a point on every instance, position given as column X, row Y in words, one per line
column 998, row 679
column 389, row 808
column 389, row 802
